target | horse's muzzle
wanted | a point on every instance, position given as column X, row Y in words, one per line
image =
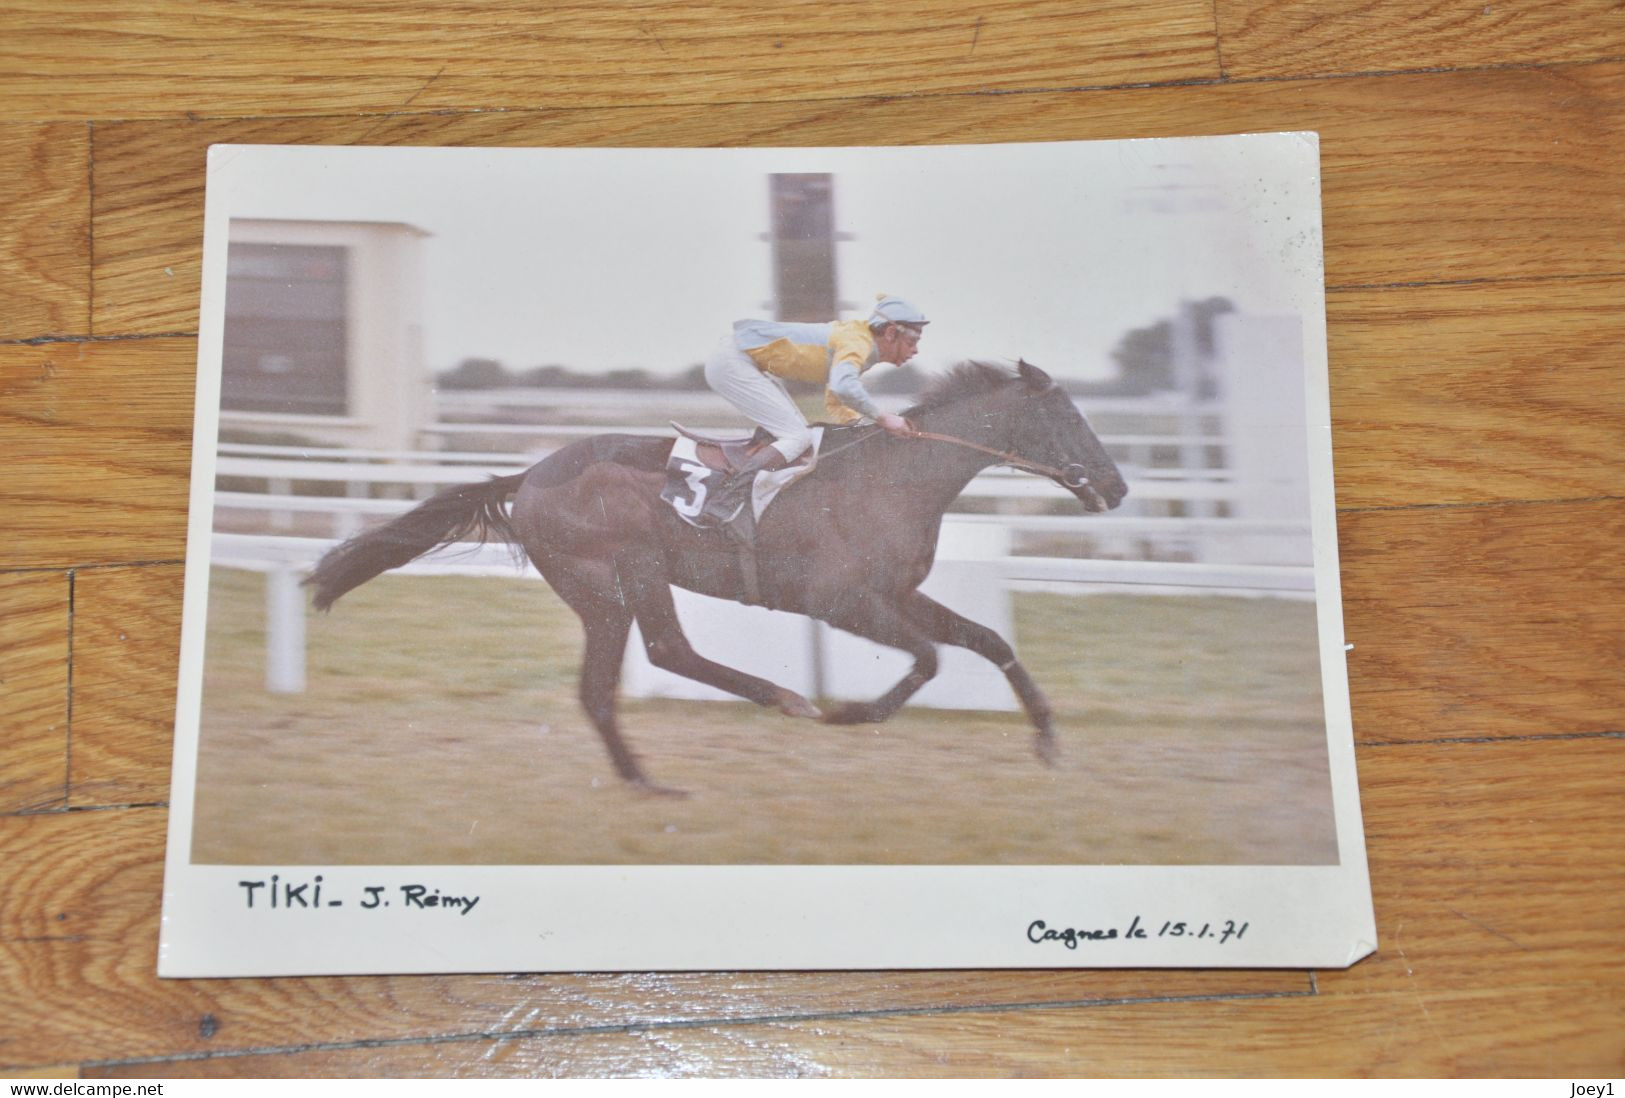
column 1076, row 480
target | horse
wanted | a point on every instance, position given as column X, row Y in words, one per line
column 848, row 544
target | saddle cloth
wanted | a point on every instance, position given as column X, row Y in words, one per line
column 690, row 479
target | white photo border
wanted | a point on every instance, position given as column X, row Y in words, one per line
column 664, row 917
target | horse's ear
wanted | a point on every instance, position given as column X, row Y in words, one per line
column 1033, row 376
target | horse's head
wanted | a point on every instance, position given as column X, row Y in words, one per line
column 1049, row 430
column 1027, row 416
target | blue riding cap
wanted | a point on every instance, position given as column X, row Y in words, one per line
column 894, row 310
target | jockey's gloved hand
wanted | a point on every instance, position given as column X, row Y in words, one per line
column 894, row 425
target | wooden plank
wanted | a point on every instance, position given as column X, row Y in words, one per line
column 1399, row 1035
column 50, row 1071
column 34, row 627
column 1477, row 393
column 78, row 937
column 1409, row 194
column 101, row 870
column 1262, row 38
column 1485, row 621
column 77, row 59
column 97, row 444
column 1498, row 862
column 1429, row 178
column 44, row 230
column 126, row 644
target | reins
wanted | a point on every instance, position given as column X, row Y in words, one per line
column 1007, row 458
column 1072, row 476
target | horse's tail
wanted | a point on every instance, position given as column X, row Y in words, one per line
column 468, row 510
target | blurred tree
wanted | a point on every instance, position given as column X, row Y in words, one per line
column 1145, row 356
column 692, row 378
column 544, row 376
column 476, row 373
column 622, row 379
column 1145, row 359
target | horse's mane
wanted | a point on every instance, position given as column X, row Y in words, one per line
column 964, row 380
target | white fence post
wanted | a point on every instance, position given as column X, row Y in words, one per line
column 284, row 632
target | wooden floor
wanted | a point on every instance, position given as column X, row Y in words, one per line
column 1474, row 183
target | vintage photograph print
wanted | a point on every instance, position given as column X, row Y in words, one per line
column 782, row 558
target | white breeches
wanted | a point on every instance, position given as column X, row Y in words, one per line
column 761, row 396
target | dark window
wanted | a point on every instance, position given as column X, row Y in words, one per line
column 285, row 330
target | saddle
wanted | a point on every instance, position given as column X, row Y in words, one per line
column 723, row 452
column 697, row 469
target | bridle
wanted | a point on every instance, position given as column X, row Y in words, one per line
column 1073, row 476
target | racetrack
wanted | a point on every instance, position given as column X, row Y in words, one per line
column 441, row 727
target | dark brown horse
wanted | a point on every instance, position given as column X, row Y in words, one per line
column 848, row 544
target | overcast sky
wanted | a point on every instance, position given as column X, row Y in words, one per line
column 606, row 259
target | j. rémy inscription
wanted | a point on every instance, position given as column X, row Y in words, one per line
column 277, row 894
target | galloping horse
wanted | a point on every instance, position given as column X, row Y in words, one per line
column 849, row 544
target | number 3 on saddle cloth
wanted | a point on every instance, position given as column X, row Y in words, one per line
column 699, row 464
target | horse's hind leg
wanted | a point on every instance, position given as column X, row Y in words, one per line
column 645, row 588
column 606, row 633
column 606, row 623
column 946, row 627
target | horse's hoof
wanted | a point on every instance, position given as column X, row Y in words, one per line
column 1048, row 753
column 849, row 713
column 792, row 704
column 650, row 789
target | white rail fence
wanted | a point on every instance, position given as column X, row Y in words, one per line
column 975, row 574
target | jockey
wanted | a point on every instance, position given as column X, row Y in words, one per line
column 746, row 367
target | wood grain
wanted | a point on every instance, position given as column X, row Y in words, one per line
column 1485, row 621
column 126, row 647
column 48, row 1071
column 1409, row 194
column 34, row 628
column 44, row 230
column 1265, row 38
column 78, row 956
column 1475, row 235
column 77, row 59
column 1493, row 862
column 97, row 443
column 1389, row 1035
column 1521, row 906
column 1471, row 394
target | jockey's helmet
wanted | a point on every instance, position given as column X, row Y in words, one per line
column 894, row 310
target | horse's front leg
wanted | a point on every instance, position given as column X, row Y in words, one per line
column 877, row 617
column 946, row 627
column 645, row 587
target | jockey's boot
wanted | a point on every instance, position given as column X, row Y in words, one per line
column 734, row 492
